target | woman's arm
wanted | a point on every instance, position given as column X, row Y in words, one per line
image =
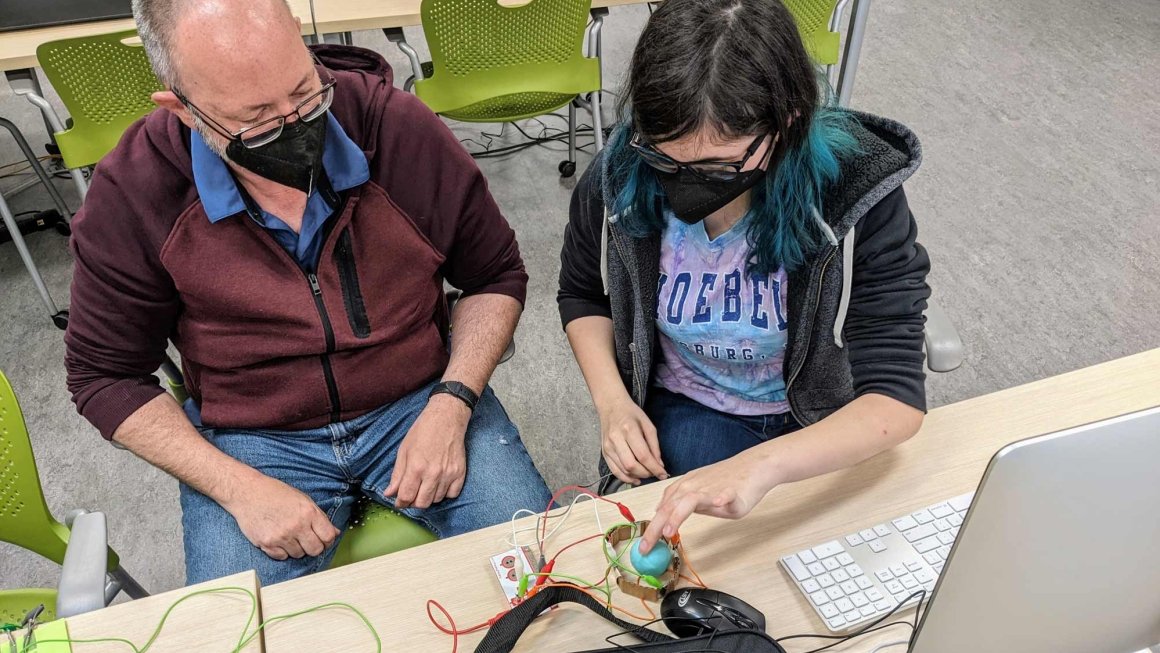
column 628, row 438
column 731, row 488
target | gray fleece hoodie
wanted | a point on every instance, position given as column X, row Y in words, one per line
column 855, row 308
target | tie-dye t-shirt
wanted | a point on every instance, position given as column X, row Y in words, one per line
column 722, row 331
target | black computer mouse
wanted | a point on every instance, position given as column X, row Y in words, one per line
column 694, row 611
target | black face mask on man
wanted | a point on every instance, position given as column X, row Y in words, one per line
column 693, row 198
column 293, row 159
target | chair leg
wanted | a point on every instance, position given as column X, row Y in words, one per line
column 849, row 65
column 26, row 256
column 597, row 127
column 22, row 143
column 129, row 585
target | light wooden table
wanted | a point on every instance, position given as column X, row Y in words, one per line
column 946, row 458
column 209, row 623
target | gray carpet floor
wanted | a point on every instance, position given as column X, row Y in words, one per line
column 1038, row 201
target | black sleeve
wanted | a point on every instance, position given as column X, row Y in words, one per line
column 884, row 326
column 581, row 290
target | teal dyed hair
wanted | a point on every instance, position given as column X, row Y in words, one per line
column 783, row 231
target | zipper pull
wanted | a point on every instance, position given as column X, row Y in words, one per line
column 317, row 289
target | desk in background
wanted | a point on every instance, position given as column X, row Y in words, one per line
column 209, row 622
column 946, row 458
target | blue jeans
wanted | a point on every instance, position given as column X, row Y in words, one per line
column 692, row 435
column 335, row 464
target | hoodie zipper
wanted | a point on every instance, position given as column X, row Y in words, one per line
column 809, row 338
column 327, row 372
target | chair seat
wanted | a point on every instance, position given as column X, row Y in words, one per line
column 376, row 530
column 515, row 106
column 14, row 604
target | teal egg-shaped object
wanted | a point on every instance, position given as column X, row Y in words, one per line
column 654, row 563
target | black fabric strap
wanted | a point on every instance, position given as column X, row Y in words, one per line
column 504, row 634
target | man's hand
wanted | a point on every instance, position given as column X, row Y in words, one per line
column 280, row 520
column 432, row 461
column 728, row 489
column 628, row 440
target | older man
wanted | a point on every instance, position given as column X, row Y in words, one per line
column 288, row 220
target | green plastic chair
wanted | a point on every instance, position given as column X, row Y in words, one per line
column 376, row 530
column 491, row 63
column 26, row 522
column 814, row 19
column 105, row 83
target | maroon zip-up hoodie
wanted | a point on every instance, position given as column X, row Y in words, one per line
column 264, row 344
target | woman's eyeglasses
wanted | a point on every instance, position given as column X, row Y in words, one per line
column 706, row 169
column 267, row 131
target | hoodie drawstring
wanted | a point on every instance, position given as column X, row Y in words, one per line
column 847, row 284
column 604, row 252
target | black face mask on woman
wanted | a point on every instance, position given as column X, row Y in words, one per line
column 293, row 159
column 693, row 198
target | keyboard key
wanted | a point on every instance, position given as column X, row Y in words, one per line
column 816, row 568
column 844, row 559
column 909, row 583
column 867, row 610
column 796, row 568
column 849, row 587
column 898, row 570
column 895, row 587
column 825, row 580
column 929, row 544
column 867, row 534
column 923, row 516
column 942, row 525
column 864, row 582
column 931, row 557
column 820, row 598
column 874, row 594
column 831, row 548
column 877, row 546
column 852, row 616
column 853, row 539
column 883, row 575
column 929, row 587
column 961, row 503
column 840, row 575
column 807, row 557
column 937, row 568
column 811, row 585
column 941, row 510
column 883, row 605
column 837, row 622
column 954, row 531
column 882, row 530
column 923, row 576
column 946, row 538
column 919, row 533
column 904, row 523
column 913, row 565
column 854, row 571
column 844, row 604
column 901, row 597
column 860, row 599
column 944, row 551
column 955, row 520
column 830, row 564
column 834, row 592
column 830, row 610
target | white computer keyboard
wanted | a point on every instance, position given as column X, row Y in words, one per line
column 854, row 580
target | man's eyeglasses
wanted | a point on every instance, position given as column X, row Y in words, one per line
column 308, row 110
column 705, row 169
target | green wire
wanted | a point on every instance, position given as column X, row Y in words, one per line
column 245, row 638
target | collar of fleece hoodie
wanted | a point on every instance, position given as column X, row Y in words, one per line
column 365, row 83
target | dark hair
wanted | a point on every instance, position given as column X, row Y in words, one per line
column 735, row 68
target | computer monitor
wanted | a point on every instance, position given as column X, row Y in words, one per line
column 1060, row 551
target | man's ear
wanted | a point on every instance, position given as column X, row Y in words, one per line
column 168, row 100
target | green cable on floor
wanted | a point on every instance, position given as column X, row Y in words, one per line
column 244, row 640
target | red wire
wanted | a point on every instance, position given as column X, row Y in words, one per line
column 453, row 630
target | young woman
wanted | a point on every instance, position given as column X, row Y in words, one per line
column 740, row 280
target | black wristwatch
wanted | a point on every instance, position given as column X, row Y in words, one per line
column 457, row 390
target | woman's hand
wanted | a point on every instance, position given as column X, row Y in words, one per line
column 628, row 440
column 728, row 489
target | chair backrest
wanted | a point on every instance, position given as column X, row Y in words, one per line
column 24, row 517
column 813, row 21
column 480, row 48
column 105, row 83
